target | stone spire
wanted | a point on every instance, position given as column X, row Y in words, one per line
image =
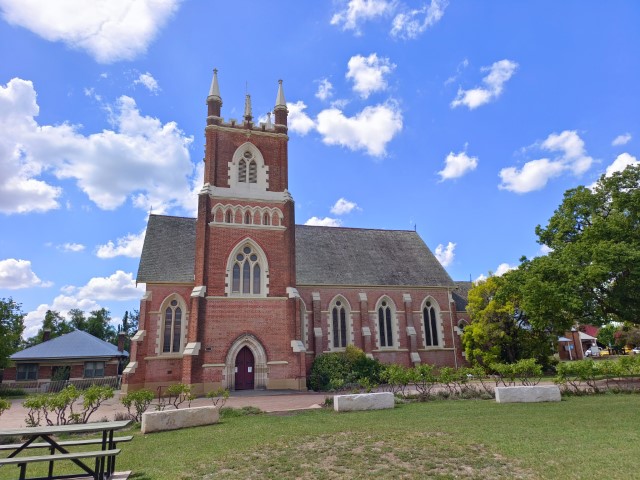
column 280, row 101
column 280, row 109
column 247, row 108
column 214, row 100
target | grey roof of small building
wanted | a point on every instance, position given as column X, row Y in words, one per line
column 168, row 253
column 324, row 255
column 356, row 256
column 77, row 344
column 461, row 295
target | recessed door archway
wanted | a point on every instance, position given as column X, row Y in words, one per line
column 244, row 349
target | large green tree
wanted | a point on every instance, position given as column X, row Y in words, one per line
column 98, row 325
column 500, row 328
column 592, row 274
column 11, row 328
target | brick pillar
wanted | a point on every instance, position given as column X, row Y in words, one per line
column 411, row 329
column 365, row 323
column 317, row 323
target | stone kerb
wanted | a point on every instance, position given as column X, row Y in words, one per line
column 363, row 401
column 528, row 394
column 176, row 419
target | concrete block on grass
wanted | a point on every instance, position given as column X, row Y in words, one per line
column 176, row 419
column 530, row 394
column 363, row 401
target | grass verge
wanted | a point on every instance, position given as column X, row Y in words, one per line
column 440, row 439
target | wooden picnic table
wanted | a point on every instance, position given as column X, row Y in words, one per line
column 105, row 458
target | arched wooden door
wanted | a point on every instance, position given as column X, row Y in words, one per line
column 245, row 369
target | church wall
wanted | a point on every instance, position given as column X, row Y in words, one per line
column 443, row 355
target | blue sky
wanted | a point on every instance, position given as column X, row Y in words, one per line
column 466, row 120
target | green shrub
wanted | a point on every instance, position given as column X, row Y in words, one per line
column 4, row 405
column 139, row 400
column 219, row 397
column 338, row 370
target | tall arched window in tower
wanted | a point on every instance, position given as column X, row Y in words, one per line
column 339, row 325
column 242, row 171
column 385, row 324
column 172, row 329
column 429, row 317
column 253, row 171
column 246, row 273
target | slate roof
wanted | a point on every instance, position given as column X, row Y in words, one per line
column 324, row 255
column 357, row 256
column 168, row 253
column 461, row 295
column 77, row 344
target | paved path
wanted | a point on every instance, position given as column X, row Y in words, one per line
column 268, row 401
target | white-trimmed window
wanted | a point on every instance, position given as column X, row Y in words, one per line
column 386, row 323
column 247, row 168
column 431, row 323
column 93, row 369
column 27, row 371
column 339, row 315
column 247, row 271
column 172, row 327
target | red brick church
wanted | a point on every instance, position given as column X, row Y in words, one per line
column 242, row 297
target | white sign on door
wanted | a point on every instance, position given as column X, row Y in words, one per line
column 250, row 369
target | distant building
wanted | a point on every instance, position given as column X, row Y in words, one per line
column 73, row 356
column 242, row 297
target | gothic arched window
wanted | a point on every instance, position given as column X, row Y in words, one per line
column 385, row 324
column 339, row 325
column 247, row 218
column 172, row 328
column 242, row 171
column 253, row 171
column 265, row 219
column 429, row 317
column 246, row 273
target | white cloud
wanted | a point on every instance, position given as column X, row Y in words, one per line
column 71, row 247
column 141, row 159
column 344, row 206
column 358, row 11
column 621, row 139
column 499, row 73
column 299, row 122
column 147, row 80
column 411, row 24
column 128, row 246
column 16, row 274
column 119, row 286
column 535, row 174
column 323, row 222
column 370, row 130
column 501, row 270
column 621, row 162
column 456, row 165
column 461, row 66
column 325, row 89
column 368, row 73
column 545, row 250
column 109, row 30
column 445, row 255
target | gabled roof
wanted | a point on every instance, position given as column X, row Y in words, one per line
column 324, row 256
column 168, row 253
column 461, row 295
column 357, row 256
column 77, row 344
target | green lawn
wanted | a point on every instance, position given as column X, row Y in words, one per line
column 581, row 437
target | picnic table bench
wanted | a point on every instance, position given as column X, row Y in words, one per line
column 105, row 457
